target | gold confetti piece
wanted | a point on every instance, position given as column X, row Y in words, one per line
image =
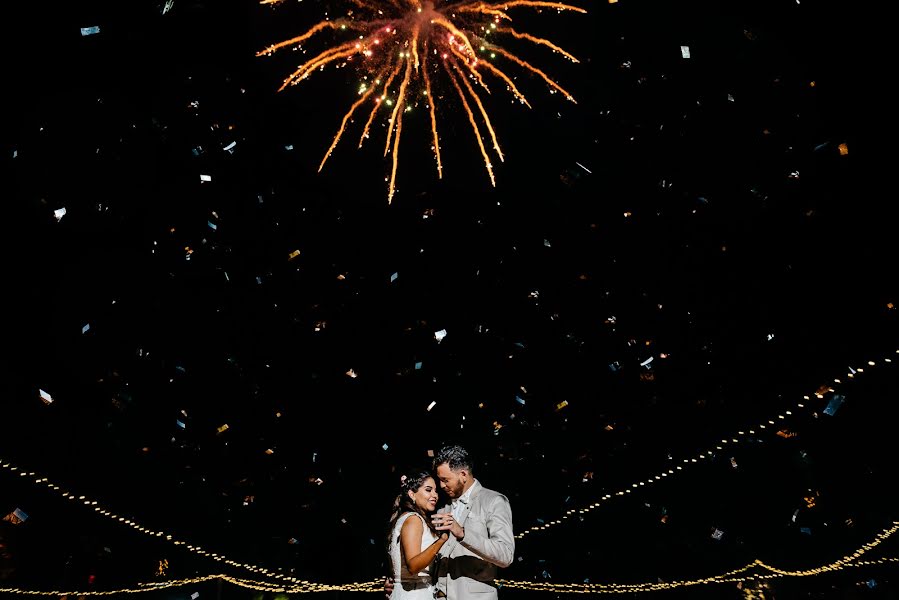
column 223, row 428
column 561, row 405
column 293, row 255
column 844, row 149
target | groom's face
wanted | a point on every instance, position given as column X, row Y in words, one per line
column 452, row 482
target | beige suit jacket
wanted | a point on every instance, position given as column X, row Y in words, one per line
column 466, row 570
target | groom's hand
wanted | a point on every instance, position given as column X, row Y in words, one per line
column 388, row 586
column 446, row 522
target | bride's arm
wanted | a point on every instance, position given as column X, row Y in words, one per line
column 410, row 537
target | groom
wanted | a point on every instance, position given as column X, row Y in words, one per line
column 480, row 523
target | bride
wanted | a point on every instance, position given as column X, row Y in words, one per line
column 413, row 542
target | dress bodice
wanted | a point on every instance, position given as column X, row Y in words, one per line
column 400, row 570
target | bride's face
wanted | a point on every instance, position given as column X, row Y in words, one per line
column 426, row 496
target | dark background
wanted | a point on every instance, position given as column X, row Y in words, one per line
column 689, row 237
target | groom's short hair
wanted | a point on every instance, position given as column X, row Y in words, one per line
column 456, row 457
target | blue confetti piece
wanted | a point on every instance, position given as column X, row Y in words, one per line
column 834, row 404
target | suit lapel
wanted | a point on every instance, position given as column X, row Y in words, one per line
column 466, row 508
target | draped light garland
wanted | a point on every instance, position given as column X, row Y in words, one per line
column 570, row 588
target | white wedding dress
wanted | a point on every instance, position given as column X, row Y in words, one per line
column 409, row 586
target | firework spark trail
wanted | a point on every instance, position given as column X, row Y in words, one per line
column 417, row 38
column 300, row 38
column 433, row 110
column 322, row 60
column 474, row 124
column 400, row 100
column 536, row 40
column 508, row 81
column 533, row 69
column 470, row 68
column 483, row 7
column 457, row 33
column 346, row 119
column 374, row 109
column 397, row 110
column 483, row 114
column 416, row 29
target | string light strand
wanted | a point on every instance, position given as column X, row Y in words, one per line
column 763, row 426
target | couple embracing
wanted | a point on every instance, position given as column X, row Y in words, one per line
column 452, row 550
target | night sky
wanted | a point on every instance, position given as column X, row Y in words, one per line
column 681, row 255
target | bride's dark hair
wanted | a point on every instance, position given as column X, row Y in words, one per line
column 403, row 503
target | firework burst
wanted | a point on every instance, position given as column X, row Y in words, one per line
column 399, row 46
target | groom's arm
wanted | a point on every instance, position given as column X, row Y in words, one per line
column 498, row 547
